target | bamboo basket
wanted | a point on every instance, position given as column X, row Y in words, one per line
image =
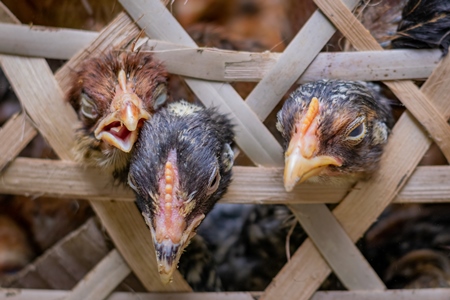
column 332, row 234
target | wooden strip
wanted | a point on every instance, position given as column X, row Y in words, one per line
column 15, row 135
column 416, row 102
column 307, row 269
column 249, row 185
column 348, row 263
column 225, row 65
column 252, row 136
column 372, row 65
column 6, row 16
column 101, row 280
column 41, row 97
column 32, row 294
column 62, row 179
column 293, row 62
column 413, row 294
column 40, row 41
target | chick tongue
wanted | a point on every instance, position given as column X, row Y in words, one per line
column 120, row 131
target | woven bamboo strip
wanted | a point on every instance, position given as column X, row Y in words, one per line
column 307, row 269
column 417, row 294
column 40, row 41
column 224, row 65
column 6, row 16
column 101, row 280
column 406, row 91
column 349, row 265
column 251, row 135
column 61, row 179
column 60, row 135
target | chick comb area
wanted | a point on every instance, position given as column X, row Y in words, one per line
column 312, row 112
column 168, row 172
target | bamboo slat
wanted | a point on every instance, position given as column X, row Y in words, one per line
column 307, row 269
column 63, row 179
column 417, row 103
column 7, row 16
column 348, row 263
column 251, row 135
column 417, row 294
column 225, row 65
column 15, row 134
column 40, row 41
column 101, row 280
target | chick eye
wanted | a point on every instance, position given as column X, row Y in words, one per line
column 88, row 107
column 356, row 130
column 160, row 96
column 214, row 181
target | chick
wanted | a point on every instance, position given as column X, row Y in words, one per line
column 180, row 167
column 333, row 130
column 424, row 24
column 408, row 244
column 113, row 95
column 418, row 269
column 408, row 23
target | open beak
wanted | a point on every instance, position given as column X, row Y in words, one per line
column 120, row 127
column 301, row 162
column 170, row 243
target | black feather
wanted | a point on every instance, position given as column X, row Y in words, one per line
column 425, row 24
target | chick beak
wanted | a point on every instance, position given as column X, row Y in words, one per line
column 120, row 127
column 170, row 242
column 301, row 163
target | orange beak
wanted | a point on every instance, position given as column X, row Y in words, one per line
column 120, row 127
column 301, row 163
